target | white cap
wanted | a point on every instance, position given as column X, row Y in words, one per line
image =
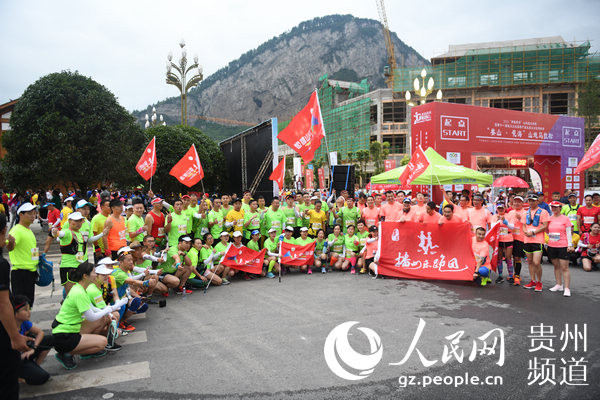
column 123, row 250
column 289, row 228
column 76, row 216
column 314, row 198
column 25, row 207
column 303, row 229
column 103, row 269
column 237, row 234
column 70, row 198
column 224, row 233
column 107, row 261
column 128, row 207
column 272, row 230
column 82, row 203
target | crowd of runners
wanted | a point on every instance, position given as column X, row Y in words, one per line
column 146, row 247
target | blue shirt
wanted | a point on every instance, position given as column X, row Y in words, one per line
column 544, row 206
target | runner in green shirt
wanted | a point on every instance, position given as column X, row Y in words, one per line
column 135, row 224
column 272, row 256
column 350, row 214
column 177, row 223
column 98, row 226
column 335, row 245
column 303, row 240
column 274, row 218
column 252, row 220
column 207, row 257
column 197, row 278
column 23, row 253
column 351, row 245
column 220, row 250
column 246, row 197
column 570, row 210
column 290, row 211
column 321, row 251
column 216, row 219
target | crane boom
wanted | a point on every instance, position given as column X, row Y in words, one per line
column 389, row 75
column 223, row 120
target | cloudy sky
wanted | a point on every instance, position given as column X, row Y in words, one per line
column 123, row 44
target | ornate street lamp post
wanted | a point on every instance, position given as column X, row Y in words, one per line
column 421, row 90
column 177, row 75
column 152, row 121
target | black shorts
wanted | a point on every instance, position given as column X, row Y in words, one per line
column 558, row 252
column 533, row 248
column 50, row 233
column 518, row 249
column 64, row 277
column 114, row 255
column 368, row 261
column 65, row 342
column 505, row 245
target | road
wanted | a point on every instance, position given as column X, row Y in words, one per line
column 263, row 339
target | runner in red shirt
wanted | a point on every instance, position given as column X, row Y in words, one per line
column 53, row 218
column 420, row 207
column 587, row 215
column 478, row 215
column 517, row 217
column 590, row 244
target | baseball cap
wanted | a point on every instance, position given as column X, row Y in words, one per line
column 25, row 207
column 314, row 198
column 572, row 195
column 185, row 196
column 76, row 216
column 407, row 200
column 255, row 232
column 500, row 205
column 518, row 198
column 237, row 234
column 272, row 230
column 82, row 203
column 289, row 228
column 224, row 233
column 156, row 200
column 123, row 251
column 107, row 261
column 303, row 229
column 103, row 269
column 373, row 228
column 556, row 204
column 532, row 196
column 70, row 198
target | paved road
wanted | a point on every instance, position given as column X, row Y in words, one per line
column 264, row 340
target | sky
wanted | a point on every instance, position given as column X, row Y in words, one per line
column 123, row 44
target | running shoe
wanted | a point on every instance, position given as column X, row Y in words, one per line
column 556, row 288
column 484, row 281
column 309, row 272
column 101, row 353
column 538, row 286
column 499, row 279
column 511, row 280
column 225, row 281
column 363, row 270
column 181, row 289
column 126, row 327
column 530, row 285
column 66, row 360
column 114, row 347
column 567, row 292
column 353, row 271
column 247, row 277
column 323, row 270
column 270, row 275
column 166, row 294
column 517, row 280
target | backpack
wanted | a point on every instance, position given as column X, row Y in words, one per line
column 45, row 275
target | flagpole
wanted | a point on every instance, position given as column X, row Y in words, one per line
column 279, row 259
column 327, row 156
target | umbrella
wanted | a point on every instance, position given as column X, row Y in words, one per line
column 510, row 181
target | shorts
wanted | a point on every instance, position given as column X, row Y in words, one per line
column 50, row 233
column 369, row 261
column 64, row 275
column 531, row 248
column 505, row 245
column 65, row 342
column 114, row 255
column 558, row 252
column 518, row 249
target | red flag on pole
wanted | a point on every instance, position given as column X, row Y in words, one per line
column 278, row 174
column 244, row 259
column 188, row 170
column 417, row 165
column 146, row 167
column 590, row 158
column 493, row 238
column 305, row 131
column 292, row 254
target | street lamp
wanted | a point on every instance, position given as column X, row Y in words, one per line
column 152, row 121
column 180, row 80
column 423, row 90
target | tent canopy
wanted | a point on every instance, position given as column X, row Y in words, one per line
column 439, row 172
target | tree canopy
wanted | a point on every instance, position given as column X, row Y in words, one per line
column 68, row 129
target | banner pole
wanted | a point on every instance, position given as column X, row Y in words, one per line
column 211, row 278
column 151, row 183
column 279, row 259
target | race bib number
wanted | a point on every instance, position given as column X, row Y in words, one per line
column 316, row 226
column 98, row 299
column 276, row 224
column 370, row 222
column 349, row 222
column 504, row 231
column 517, row 231
column 589, row 220
column 181, row 229
column 290, row 221
column 338, row 248
column 79, row 256
column 161, row 232
column 554, row 237
column 573, row 217
column 239, row 222
column 122, row 235
column 85, row 236
column 35, row 254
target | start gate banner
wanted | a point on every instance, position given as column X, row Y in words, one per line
column 417, row 250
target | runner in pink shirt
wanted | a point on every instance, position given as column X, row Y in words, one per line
column 448, row 216
column 420, row 207
column 517, row 217
column 407, row 213
column 430, row 215
column 390, row 210
column 536, row 223
column 505, row 247
column 478, row 215
column 370, row 213
column 560, row 244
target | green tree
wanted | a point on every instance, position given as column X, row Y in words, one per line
column 68, row 129
column 589, row 108
column 379, row 153
column 363, row 157
column 172, row 142
column 405, row 160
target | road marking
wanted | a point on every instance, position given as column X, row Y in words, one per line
column 132, row 338
column 86, row 379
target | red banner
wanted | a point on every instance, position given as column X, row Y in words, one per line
column 292, row 254
column 188, row 170
column 390, row 164
column 278, row 174
column 310, row 178
column 244, row 259
column 305, row 130
column 590, row 158
column 146, row 166
column 415, row 167
column 321, row 173
column 493, row 238
column 426, row 251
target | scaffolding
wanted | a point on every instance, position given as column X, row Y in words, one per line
column 533, row 62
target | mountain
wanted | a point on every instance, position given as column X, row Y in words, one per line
column 275, row 79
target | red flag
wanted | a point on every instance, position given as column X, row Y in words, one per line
column 321, row 173
column 292, row 254
column 146, row 167
column 493, row 238
column 390, row 164
column 278, row 174
column 309, row 177
column 305, row 131
column 244, row 259
column 426, row 251
column 416, row 166
column 188, row 170
column 591, row 157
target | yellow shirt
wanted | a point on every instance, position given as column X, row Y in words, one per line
column 237, row 217
column 65, row 214
column 316, row 221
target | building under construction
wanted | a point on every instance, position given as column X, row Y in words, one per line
column 541, row 75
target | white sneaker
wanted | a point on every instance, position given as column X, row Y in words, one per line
column 567, row 292
column 556, row 288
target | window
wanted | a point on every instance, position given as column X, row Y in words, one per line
column 459, row 100
column 488, row 79
column 509, row 104
column 559, row 103
column 397, row 143
column 457, row 81
column 394, row 111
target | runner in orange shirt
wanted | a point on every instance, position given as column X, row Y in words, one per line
column 478, row 215
column 390, row 210
column 536, row 223
column 481, row 250
column 448, row 216
column 430, row 215
column 505, row 246
column 420, row 207
column 517, row 217
column 407, row 213
column 370, row 213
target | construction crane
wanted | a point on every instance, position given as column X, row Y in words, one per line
column 223, row 120
column 389, row 70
